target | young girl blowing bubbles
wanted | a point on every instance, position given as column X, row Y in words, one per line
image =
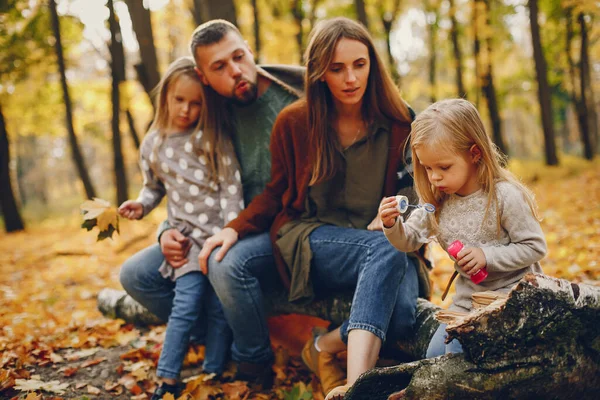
column 459, row 170
column 199, row 175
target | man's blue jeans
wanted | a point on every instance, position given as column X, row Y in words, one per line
column 190, row 306
column 385, row 284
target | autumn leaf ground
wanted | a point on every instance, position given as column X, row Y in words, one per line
column 55, row 344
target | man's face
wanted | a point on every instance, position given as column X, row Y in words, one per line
column 228, row 67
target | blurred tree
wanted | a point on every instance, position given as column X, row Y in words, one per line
column 74, row 144
column 147, row 69
column 476, row 6
column 489, row 90
column 588, row 104
column 456, row 51
column 118, row 75
column 8, row 204
column 387, row 18
column 256, row 26
column 205, row 10
column 432, row 10
column 361, row 12
column 543, row 88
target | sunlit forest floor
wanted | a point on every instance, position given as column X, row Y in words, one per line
column 55, row 344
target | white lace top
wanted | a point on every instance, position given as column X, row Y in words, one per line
column 510, row 253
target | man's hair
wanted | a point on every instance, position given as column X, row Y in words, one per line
column 211, row 32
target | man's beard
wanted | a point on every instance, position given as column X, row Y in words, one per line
column 248, row 97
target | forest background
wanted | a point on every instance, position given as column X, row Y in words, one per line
column 75, row 100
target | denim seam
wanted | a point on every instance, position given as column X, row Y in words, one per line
column 367, row 327
column 166, row 373
column 340, row 242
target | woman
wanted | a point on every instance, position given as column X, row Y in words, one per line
column 334, row 156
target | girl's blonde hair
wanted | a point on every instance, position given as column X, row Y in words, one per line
column 212, row 144
column 455, row 125
column 381, row 99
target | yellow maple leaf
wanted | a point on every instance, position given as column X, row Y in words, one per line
column 102, row 211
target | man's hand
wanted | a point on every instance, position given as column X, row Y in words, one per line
column 175, row 246
column 226, row 238
column 471, row 260
column 131, row 209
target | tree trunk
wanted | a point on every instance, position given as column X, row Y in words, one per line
column 544, row 94
column 118, row 75
column 587, row 90
column 147, row 69
column 542, row 342
column 361, row 12
column 8, row 204
column 73, row 142
column 387, row 20
column 256, row 26
column 132, row 130
column 477, row 6
column 458, row 63
column 205, row 10
column 580, row 107
column 488, row 86
column 431, row 7
column 298, row 14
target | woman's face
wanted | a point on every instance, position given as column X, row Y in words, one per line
column 348, row 73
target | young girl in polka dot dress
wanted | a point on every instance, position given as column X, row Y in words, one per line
column 201, row 179
column 458, row 169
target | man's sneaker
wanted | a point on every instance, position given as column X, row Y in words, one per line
column 258, row 376
column 164, row 389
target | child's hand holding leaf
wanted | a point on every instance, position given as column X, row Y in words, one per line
column 131, row 209
column 98, row 212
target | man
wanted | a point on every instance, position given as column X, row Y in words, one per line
column 244, row 100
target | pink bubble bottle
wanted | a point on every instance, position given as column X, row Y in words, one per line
column 454, row 248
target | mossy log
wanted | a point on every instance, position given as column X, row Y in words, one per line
column 541, row 342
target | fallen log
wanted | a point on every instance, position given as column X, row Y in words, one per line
column 114, row 303
column 541, row 342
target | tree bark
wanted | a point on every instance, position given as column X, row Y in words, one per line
column 431, row 7
column 118, row 75
column 205, row 10
column 8, row 205
column 456, row 51
column 147, row 69
column 489, row 89
column 298, row 14
column 587, row 91
column 134, row 134
column 256, row 27
column 544, row 94
column 361, row 12
column 543, row 342
column 476, row 11
column 73, row 142
column 387, row 20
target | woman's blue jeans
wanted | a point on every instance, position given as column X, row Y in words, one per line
column 384, row 280
column 190, row 306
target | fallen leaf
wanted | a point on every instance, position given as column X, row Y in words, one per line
column 92, row 362
column 29, row 385
column 93, row 390
column 70, row 371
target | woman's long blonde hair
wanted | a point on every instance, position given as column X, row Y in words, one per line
column 455, row 125
column 381, row 99
column 213, row 144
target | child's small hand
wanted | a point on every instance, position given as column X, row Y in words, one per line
column 471, row 260
column 131, row 210
column 388, row 211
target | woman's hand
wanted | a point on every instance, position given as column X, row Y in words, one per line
column 471, row 260
column 131, row 209
column 388, row 211
column 226, row 238
column 175, row 246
